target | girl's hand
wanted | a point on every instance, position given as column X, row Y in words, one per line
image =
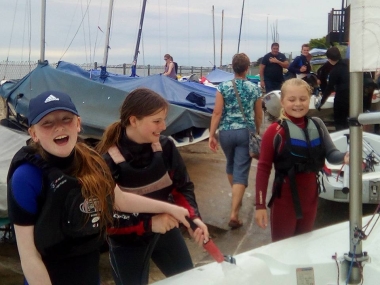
column 179, row 213
column 201, row 234
column 261, row 218
column 347, row 158
column 162, row 223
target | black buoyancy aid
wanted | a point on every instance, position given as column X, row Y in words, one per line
column 303, row 151
column 148, row 181
column 67, row 223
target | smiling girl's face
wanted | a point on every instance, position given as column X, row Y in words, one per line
column 148, row 128
column 295, row 101
column 57, row 132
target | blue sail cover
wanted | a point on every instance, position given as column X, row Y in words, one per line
column 217, row 75
column 98, row 100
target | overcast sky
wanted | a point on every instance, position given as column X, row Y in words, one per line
column 182, row 28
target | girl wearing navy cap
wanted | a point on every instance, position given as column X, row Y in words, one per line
column 61, row 196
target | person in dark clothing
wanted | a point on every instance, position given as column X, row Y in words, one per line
column 339, row 81
column 323, row 74
column 301, row 65
column 271, row 69
column 144, row 162
column 175, row 65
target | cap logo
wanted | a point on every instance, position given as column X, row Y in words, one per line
column 51, row 98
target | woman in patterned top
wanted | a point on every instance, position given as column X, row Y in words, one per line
column 233, row 129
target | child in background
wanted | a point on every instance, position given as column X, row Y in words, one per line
column 297, row 146
column 144, row 162
column 61, row 196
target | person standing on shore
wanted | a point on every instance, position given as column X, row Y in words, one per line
column 169, row 67
column 297, row 147
column 300, row 66
column 144, row 162
column 271, row 69
column 233, row 129
column 61, row 196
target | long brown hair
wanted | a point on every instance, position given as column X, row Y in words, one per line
column 94, row 175
column 141, row 102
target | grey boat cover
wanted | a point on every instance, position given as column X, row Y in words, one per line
column 10, row 141
column 98, row 99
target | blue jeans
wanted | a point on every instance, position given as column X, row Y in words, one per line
column 130, row 259
column 235, row 146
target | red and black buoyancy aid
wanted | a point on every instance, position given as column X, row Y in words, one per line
column 67, row 223
column 303, row 151
column 151, row 181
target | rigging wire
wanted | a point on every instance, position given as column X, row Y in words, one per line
column 84, row 32
column 97, row 30
column 71, row 23
column 159, row 26
column 10, row 40
column 166, row 21
column 76, row 31
column 89, row 34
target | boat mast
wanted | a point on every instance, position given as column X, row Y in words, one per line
column 106, row 47
column 360, row 34
column 221, row 41
column 139, row 34
column 241, row 23
column 43, row 25
column 213, row 31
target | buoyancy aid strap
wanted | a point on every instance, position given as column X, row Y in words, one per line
column 115, row 154
column 276, row 192
column 293, row 190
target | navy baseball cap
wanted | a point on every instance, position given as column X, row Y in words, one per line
column 48, row 102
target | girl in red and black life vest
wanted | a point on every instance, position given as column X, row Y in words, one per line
column 144, row 162
column 61, row 196
column 297, row 147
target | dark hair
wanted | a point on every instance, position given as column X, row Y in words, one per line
column 240, row 63
column 305, row 45
column 275, row 44
column 141, row 102
column 333, row 53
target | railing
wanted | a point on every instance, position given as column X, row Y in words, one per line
column 338, row 25
column 17, row 70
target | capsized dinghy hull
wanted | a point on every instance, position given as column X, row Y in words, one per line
column 304, row 259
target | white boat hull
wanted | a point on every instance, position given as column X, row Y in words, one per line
column 303, row 260
column 273, row 106
column 334, row 183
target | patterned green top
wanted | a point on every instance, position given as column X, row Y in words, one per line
column 232, row 118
